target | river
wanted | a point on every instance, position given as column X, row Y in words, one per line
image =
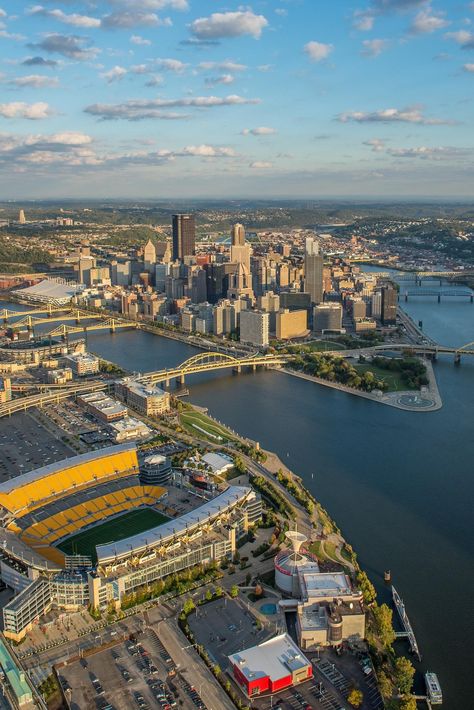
column 399, row 484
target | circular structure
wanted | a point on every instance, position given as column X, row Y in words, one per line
column 156, row 470
column 296, row 539
column 287, row 565
column 415, row 401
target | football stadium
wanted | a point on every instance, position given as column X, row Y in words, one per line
column 87, row 531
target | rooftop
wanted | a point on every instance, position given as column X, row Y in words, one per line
column 275, row 659
column 324, row 584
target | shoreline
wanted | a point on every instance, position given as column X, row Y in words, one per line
column 391, row 399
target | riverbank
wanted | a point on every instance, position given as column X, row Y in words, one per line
column 427, row 400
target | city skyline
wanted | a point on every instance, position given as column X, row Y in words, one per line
column 179, row 98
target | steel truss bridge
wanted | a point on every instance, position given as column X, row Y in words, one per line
column 417, row 276
column 49, row 397
column 431, row 350
column 29, row 319
column 208, row 362
column 440, row 294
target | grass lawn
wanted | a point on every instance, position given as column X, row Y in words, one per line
column 323, row 346
column 393, row 379
column 200, row 425
column 136, row 521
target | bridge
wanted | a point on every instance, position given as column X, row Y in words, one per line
column 431, row 350
column 111, row 324
column 49, row 397
column 209, row 362
column 7, row 314
column 439, row 294
column 29, row 321
column 418, row 276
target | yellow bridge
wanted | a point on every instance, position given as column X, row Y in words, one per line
column 208, row 362
column 31, row 319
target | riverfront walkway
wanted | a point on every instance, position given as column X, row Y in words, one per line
column 428, row 400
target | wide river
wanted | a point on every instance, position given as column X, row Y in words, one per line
column 399, row 484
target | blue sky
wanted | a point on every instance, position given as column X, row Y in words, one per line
column 202, row 98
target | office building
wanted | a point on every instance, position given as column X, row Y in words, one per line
column 102, row 407
column 129, row 429
column 147, row 399
column 291, row 324
column 5, row 389
column 149, row 257
column 313, row 271
column 120, row 273
column 239, row 250
column 83, row 364
column 240, row 283
column 327, row 317
column 184, row 236
column 21, row 217
column 270, row 303
column 255, row 328
column 389, row 305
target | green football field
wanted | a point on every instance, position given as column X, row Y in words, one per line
column 136, row 521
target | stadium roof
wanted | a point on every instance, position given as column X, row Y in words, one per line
column 163, row 533
column 64, row 464
column 50, row 290
column 276, row 658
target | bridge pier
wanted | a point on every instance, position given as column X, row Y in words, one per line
column 406, row 296
column 439, row 298
column 472, row 297
column 457, row 358
column 181, row 379
column 112, row 326
column 254, row 368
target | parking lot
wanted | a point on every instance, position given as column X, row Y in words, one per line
column 333, row 678
column 25, row 445
column 133, row 674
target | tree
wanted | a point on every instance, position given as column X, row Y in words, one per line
column 239, row 465
column 234, row 591
column 367, row 587
column 407, row 703
column 385, row 685
column 355, row 698
column 208, row 595
column 404, row 673
column 383, row 619
column 188, row 606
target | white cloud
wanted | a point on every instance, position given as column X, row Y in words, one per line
column 261, row 165
column 464, row 38
column 226, row 66
column 374, row 47
column 173, row 65
column 223, row 79
column 132, row 18
column 229, row 24
column 136, row 39
column 363, row 20
column 377, row 145
column 427, row 21
column 208, row 151
column 70, row 46
column 428, row 153
column 140, row 109
column 259, row 131
column 317, row 51
column 73, row 19
column 392, row 115
column 36, row 81
column 468, row 67
column 20, row 109
column 115, row 74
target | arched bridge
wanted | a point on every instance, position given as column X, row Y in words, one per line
column 209, row 361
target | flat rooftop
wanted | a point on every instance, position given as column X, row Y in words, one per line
column 274, row 659
column 324, row 584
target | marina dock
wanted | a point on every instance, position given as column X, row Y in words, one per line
column 407, row 628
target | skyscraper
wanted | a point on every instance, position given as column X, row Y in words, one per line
column 184, row 236
column 239, row 250
column 313, row 271
column 21, row 217
column 149, row 256
column 389, row 305
column 238, row 235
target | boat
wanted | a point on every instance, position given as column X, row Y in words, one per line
column 407, row 628
column 433, row 688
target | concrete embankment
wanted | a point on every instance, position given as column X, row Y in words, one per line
column 427, row 400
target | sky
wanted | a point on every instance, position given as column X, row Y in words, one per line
column 202, row 98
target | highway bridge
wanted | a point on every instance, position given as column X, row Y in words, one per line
column 7, row 314
column 418, row 276
column 431, row 350
column 210, row 361
column 21, row 404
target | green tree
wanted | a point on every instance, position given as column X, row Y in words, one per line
column 234, row 592
column 239, row 465
column 404, row 673
column 367, row 587
column 355, row 698
column 188, row 606
column 385, row 685
column 407, row 703
column 208, row 595
column 383, row 620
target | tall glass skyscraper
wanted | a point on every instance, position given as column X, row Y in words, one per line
column 184, row 236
